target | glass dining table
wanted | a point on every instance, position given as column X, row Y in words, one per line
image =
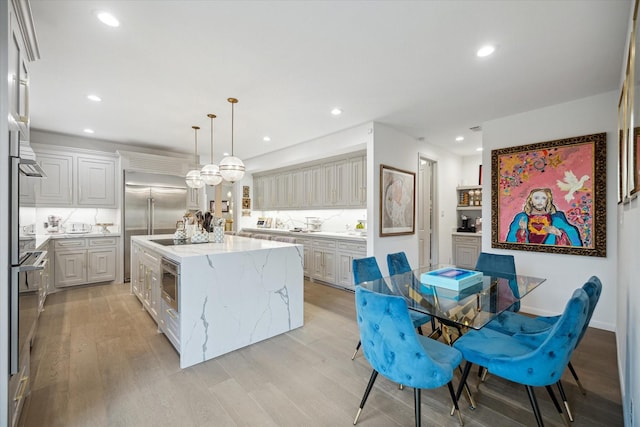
column 472, row 307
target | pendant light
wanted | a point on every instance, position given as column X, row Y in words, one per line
column 193, row 178
column 231, row 168
column 211, row 173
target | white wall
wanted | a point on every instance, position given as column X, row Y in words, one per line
column 564, row 273
column 470, row 169
column 394, row 148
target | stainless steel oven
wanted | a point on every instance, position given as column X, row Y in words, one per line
column 170, row 284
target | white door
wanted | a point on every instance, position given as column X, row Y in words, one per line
column 427, row 250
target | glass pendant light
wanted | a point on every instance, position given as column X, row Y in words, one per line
column 231, row 168
column 193, row 178
column 211, row 173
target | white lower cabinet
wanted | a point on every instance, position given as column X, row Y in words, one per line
column 347, row 252
column 307, row 245
column 324, row 260
column 466, row 250
column 146, row 284
column 80, row 261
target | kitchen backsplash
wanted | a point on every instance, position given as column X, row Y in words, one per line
column 332, row 220
column 71, row 215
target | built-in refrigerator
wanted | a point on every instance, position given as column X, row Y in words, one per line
column 153, row 203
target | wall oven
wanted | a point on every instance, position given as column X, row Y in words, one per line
column 170, row 283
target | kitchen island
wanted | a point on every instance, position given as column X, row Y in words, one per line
column 230, row 294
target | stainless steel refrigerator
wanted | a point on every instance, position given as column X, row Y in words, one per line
column 152, row 205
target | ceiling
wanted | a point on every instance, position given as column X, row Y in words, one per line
column 408, row 64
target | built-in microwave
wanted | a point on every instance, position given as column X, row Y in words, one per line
column 170, row 283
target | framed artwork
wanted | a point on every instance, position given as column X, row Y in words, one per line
column 246, row 203
column 245, row 191
column 551, row 196
column 225, row 206
column 397, row 201
column 480, row 175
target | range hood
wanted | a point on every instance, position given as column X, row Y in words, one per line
column 28, row 164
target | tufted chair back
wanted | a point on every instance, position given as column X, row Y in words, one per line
column 391, row 345
column 365, row 270
column 500, row 266
column 545, row 363
column 593, row 288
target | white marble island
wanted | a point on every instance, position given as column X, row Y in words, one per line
column 231, row 294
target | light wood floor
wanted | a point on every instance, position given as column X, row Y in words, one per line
column 98, row 361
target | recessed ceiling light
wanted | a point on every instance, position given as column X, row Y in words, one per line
column 479, row 149
column 94, row 98
column 108, row 19
column 87, row 130
column 266, row 139
column 460, row 138
column 336, row 111
column 485, row 51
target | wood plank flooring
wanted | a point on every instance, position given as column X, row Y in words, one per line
column 98, row 361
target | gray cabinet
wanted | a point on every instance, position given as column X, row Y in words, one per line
column 346, row 253
column 466, row 249
column 76, row 180
column 336, row 183
column 324, row 260
column 57, row 188
column 96, row 179
column 81, row 261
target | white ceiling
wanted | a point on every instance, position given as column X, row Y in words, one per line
column 408, row 64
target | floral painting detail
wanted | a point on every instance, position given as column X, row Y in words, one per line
column 551, row 196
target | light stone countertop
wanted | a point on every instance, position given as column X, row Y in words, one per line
column 232, row 244
column 311, row 234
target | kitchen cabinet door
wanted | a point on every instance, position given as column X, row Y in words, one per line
column 314, row 185
column 297, row 189
column 102, row 265
column 336, row 184
column 57, row 188
column 282, row 184
column 466, row 251
column 70, row 268
column 358, row 182
column 96, row 182
column 258, row 193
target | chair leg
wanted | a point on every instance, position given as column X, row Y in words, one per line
column 534, row 405
column 419, row 328
column 564, row 400
column 357, row 348
column 575, row 376
column 455, row 402
column 416, row 398
column 372, row 380
column 552, row 395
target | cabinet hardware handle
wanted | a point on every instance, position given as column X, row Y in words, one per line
column 21, row 388
column 170, row 313
column 25, row 119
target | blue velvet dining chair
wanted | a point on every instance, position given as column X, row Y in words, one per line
column 393, row 348
column 399, row 264
column 503, row 266
column 534, row 360
column 513, row 323
column 366, row 270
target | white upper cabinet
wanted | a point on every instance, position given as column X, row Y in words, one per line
column 76, row 179
column 334, row 183
column 358, row 182
column 96, row 182
column 57, row 188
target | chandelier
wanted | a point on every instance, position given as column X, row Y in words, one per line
column 231, row 168
column 193, row 178
column 211, row 173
